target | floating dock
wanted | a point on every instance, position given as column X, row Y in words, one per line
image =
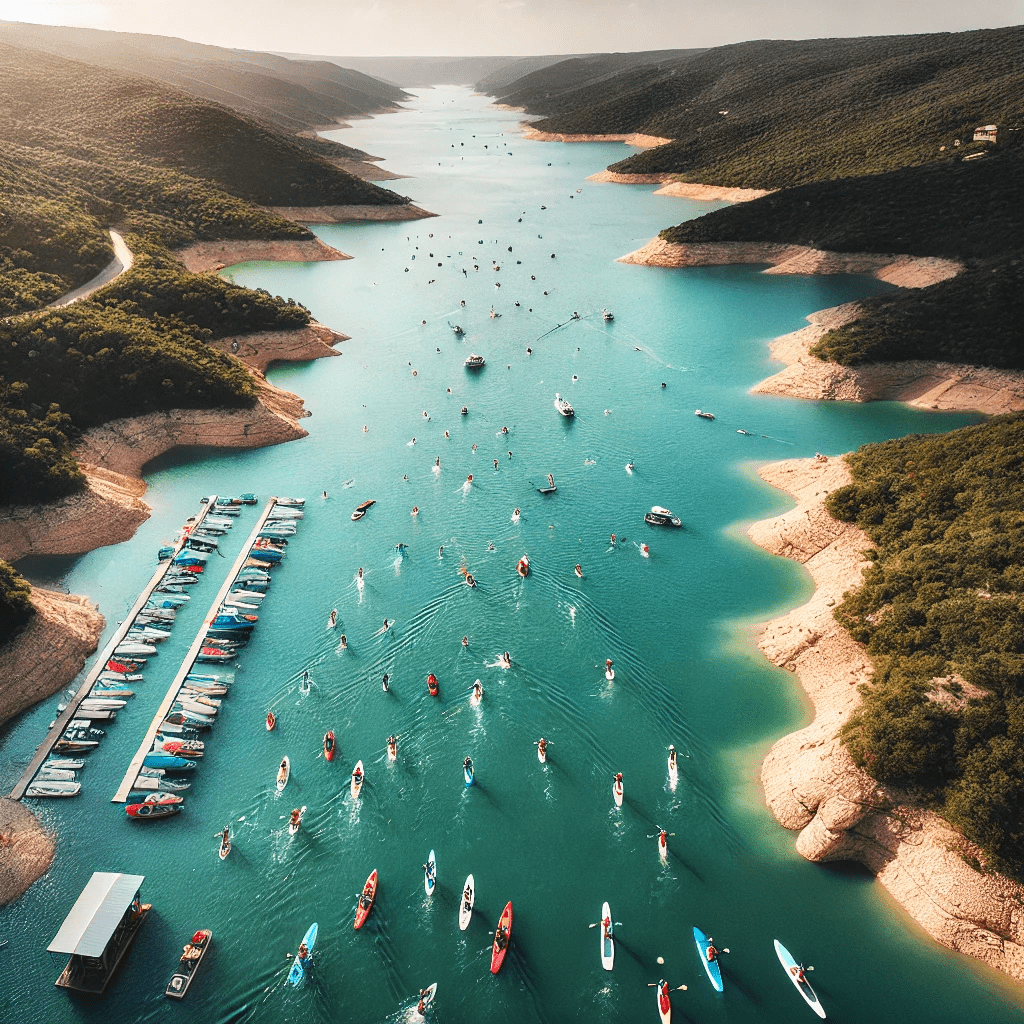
column 121, row 796
column 55, row 733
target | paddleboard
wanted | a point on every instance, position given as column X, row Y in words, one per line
column 466, row 908
column 225, row 848
column 673, row 769
column 617, row 792
column 430, row 873
column 469, row 773
column 803, row 987
column 298, row 972
column 607, row 938
column 714, row 972
column 609, row 674
column 365, row 904
column 332, row 619
column 664, row 1003
column 357, row 779
column 542, row 753
column 294, row 826
column 502, row 937
column 283, row 773
column 393, row 751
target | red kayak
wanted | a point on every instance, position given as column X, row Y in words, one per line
column 432, row 684
column 501, row 938
column 365, row 904
column 329, row 749
column 122, row 667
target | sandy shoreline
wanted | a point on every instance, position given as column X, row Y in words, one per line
column 349, row 214
column 809, row 780
column 670, row 186
column 225, row 252
column 630, row 139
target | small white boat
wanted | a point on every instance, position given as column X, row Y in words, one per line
column 607, row 314
column 704, row 415
column 55, row 775
column 53, row 788
column 283, row 773
column 563, row 406
column 74, row 763
column 474, row 362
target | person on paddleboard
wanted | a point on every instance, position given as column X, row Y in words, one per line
column 671, row 756
column 360, row 573
column 712, row 953
column 305, row 959
column 384, row 682
column 421, row 1006
column 296, row 816
column 478, row 690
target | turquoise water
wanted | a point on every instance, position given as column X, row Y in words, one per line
column 677, row 626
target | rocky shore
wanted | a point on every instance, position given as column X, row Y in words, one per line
column 630, row 139
column 809, row 780
column 224, row 252
column 682, row 189
column 347, row 214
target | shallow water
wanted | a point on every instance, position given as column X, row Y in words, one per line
column 677, row 626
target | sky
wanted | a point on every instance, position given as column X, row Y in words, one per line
column 509, row 27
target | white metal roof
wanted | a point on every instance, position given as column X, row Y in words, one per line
column 96, row 913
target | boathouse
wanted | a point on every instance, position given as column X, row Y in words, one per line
column 986, row 133
column 99, row 930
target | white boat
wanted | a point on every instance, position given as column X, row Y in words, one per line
column 102, row 702
column 474, row 362
column 54, row 788
column 563, row 406
column 659, row 516
column 55, row 775
column 283, row 772
column 120, row 677
column 704, row 415
column 74, row 763
column 129, row 647
column 466, row 907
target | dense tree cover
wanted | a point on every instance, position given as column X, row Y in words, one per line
column 941, row 611
column 159, row 286
column 775, row 113
column 976, row 317
column 36, row 462
column 99, row 363
column 15, row 604
column 963, row 210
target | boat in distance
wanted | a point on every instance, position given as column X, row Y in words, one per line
column 659, row 516
column 563, row 406
column 474, row 362
column 191, row 957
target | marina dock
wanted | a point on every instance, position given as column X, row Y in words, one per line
column 55, row 733
column 187, row 664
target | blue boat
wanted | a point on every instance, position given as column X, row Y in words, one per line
column 299, row 967
column 168, row 762
column 711, row 966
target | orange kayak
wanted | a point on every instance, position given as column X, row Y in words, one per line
column 502, row 936
column 432, row 684
column 329, row 745
column 365, row 904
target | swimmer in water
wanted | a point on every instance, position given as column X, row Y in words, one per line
column 359, row 575
column 415, row 512
column 365, row 428
column 384, row 682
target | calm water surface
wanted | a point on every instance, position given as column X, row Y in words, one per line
column 677, row 625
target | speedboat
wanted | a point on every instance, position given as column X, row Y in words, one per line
column 361, row 509
column 607, row 314
column 659, row 516
column 292, row 502
column 465, row 410
column 473, row 361
column 191, row 957
column 457, row 330
column 563, row 406
column 153, row 784
column 155, row 808
column 704, row 415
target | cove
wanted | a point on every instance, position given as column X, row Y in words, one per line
column 546, row 837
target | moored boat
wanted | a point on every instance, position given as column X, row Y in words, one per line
column 659, row 516
column 53, row 788
column 167, row 806
column 474, row 362
column 563, row 406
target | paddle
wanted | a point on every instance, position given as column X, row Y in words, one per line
column 678, row 988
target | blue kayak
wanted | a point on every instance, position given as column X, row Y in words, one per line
column 169, row 762
column 468, row 772
column 298, row 971
column 711, row 966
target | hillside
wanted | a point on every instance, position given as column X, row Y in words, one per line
column 772, row 114
column 293, row 95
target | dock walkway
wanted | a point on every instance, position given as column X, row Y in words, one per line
column 44, row 748
column 146, row 746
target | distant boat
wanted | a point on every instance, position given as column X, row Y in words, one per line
column 474, row 362
column 550, row 489
column 659, row 516
column 563, row 406
column 607, row 314
column 523, row 566
column 704, row 415
column 457, row 330
column 361, row 509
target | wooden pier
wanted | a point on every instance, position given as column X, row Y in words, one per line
column 55, row 733
column 187, row 665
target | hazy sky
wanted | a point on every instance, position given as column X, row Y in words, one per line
column 508, row 27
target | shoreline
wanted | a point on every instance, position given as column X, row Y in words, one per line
column 671, row 186
column 349, row 214
column 200, row 257
column 630, row 138
column 810, row 782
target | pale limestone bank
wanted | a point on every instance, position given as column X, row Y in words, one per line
column 810, row 782
column 224, row 252
column 670, row 186
column 261, row 349
column 349, row 214
column 630, row 139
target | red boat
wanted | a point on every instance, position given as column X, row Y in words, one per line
column 122, row 667
column 159, row 805
column 502, row 936
column 182, row 748
column 271, row 721
column 432, row 684
column 329, row 747
column 365, row 904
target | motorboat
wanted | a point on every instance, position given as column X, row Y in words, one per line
column 474, row 362
column 704, row 415
column 153, row 784
column 117, row 678
column 563, row 406
column 131, row 648
column 361, row 509
column 291, row 502
column 659, row 516
column 153, row 810
column 74, row 763
column 191, row 957
column 55, row 775
column 74, row 746
column 457, row 330
column 607, row 315
column 53, row 788
column 523, row 566
column 465, row 410
column 168, row 762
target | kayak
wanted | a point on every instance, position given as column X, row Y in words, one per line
column 357, row 779
column 711, row 966
column 502, row 936
column 803, row 986
column 298, row 971
column 365, row 904
column 617, row 792
column 469, row 772
column 283, row 773
column 466, row 908
column 271, row 721
column 542, row 753
column 607, row 938
column 430, row 873
column 432, row 685
column 329, row 745
column 664, row 1003
column 296, row 822
column 225, row 846
column 393, row 749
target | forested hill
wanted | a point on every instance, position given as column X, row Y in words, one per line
column 294, row 95
column 769, row 114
